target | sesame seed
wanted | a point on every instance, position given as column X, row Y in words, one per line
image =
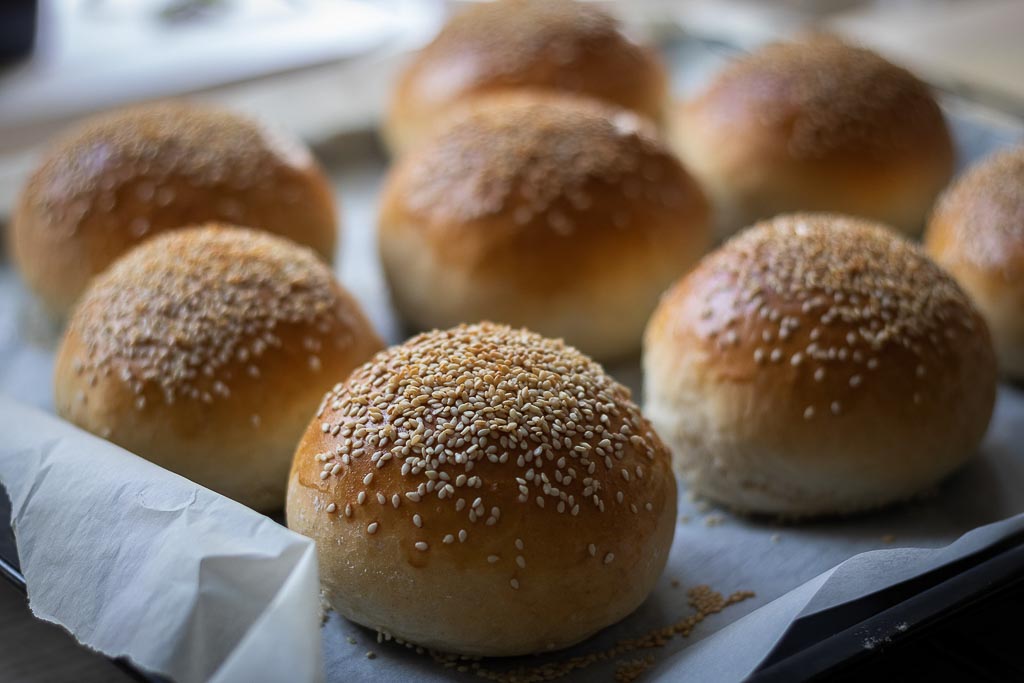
column 592, row 549
column 417, row 520
column 492, row 558
column 514, row 583
column 521, row 561
column 609, row 558
column 372, row 528
column 421, row 545
column 331, row 507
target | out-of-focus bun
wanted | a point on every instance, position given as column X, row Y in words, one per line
column 977, row 233
column 816, row 125
column 555, row 213
column 122, row 177
column 524, row 44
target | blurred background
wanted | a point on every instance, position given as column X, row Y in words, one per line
column 323, row 67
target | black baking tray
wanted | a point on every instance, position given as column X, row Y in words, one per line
column 959, row 621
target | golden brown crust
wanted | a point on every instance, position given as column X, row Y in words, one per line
column 530, row 203
column 486, row 491
column 125, row 176
column 204, row 350
column 817, row 125
column 540, row 45
column 817, row 364
column 977, row 233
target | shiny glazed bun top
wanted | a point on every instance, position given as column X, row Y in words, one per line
column 124, row 176
column 817, row 125
column 556, row 45
column 818, row 364
column 484, row 490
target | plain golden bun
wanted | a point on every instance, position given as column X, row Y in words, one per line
column 484, row 491
column 122, row 177
column 205, row 350
column 550, row 212
column 977, row 234
column 546, row 45
column 817, row 364
column 816, row 125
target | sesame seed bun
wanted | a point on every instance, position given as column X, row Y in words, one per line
column 204, row 350
column 551, row 212
column 484, row 491
column 818, row 364
column 125, row 176
column 816, row 125
column 545, row 45
column 977, row 234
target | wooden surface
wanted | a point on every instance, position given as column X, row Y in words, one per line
column 33, row 651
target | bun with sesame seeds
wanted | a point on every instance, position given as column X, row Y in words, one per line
column 816, row 125
column 542, row 45
column 124, row 176
column 817, row 364
column 551, row 212
column 484, row 491
column 205, row 349
column 977, row 233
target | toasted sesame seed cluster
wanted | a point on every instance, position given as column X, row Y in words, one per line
column 829, row 294
column 205, row 350
column 194, row 311
column 491, row 452
column 441, row 404
column 531, row 155
column 818, row 364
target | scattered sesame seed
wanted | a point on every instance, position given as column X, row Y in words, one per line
column 372, row 528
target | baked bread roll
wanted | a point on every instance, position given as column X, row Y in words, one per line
column 977, row 234
column 546, row 45
column 125, row 176
column 817, row 364
column 554, row 213
column 484, row 491
column 816, row 125
column 205, row 350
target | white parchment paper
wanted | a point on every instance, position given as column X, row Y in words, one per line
column 136, row 561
